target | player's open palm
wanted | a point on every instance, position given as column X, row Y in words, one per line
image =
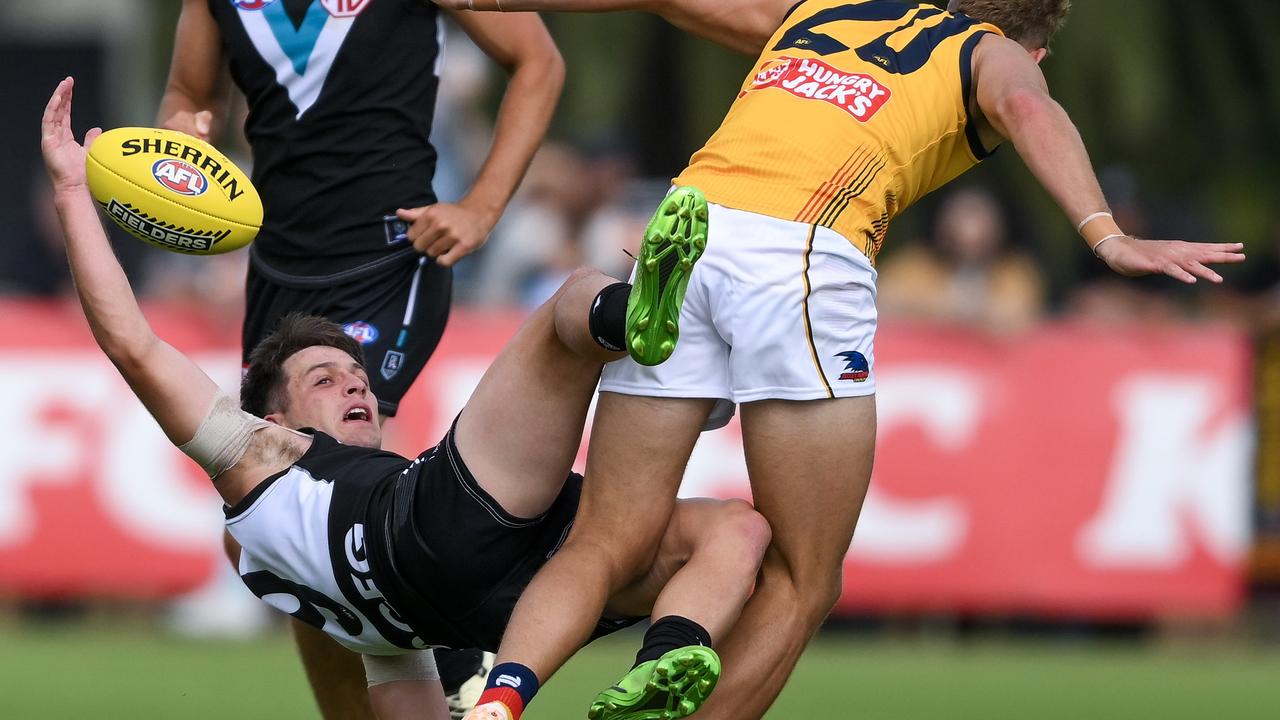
column 63, row 156
column 447, row 232
column 1178, row 259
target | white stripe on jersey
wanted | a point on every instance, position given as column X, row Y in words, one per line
column 303, row 89
column 285, row 533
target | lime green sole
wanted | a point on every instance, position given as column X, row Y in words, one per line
column 678, row 684
column 674, row 239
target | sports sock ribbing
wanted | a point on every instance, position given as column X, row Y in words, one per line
column 669, row 633
column 511, row 684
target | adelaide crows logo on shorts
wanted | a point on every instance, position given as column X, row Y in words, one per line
column 179, row 176
column 361, row 331
column 857, row 369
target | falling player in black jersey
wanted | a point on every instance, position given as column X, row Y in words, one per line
column 389, row 556
column 341, row 95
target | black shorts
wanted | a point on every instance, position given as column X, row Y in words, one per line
column 396, row 307
column 458, row 561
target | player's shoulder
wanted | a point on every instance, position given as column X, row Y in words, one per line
column 995, row 53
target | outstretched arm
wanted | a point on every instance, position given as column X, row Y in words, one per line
column 196, row 93
column 1014, row 99
column 521, row 45
column 176, row 391
column 740, row 25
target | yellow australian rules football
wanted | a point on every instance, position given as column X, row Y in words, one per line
column 174, row 191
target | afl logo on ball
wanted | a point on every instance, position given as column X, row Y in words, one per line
column 180, row 177
column 251, row 4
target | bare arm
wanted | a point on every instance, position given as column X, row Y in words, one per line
column 521, row 45
column 1014, row 99
column 740, row 25
column 195, row 95
column 174, row 389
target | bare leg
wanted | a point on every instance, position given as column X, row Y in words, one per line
column 521, row 428
column 809, row 482
column 637, row 456
column 712, row 549
column 336, row 674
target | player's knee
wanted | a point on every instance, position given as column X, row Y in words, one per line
column 747, row 531
column 580, row 273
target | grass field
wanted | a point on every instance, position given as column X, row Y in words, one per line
column 108, row 674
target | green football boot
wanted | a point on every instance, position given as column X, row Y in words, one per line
column 673, row 241
column 673, row 686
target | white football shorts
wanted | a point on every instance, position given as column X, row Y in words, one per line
column 775, row 309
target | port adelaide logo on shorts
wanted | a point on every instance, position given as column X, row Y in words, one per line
column 856, row 367
column 391, row 363
column 251, row 4
column 180, row 177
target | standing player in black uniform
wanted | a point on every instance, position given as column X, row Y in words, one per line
column 341, row 95
column 411, row 554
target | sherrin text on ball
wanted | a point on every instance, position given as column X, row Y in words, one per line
column 174, row 191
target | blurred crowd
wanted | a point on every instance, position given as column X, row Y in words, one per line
column 967, row 256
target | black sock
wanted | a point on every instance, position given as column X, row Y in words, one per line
column 669, row 633
column 608, row 317
column 457, row 667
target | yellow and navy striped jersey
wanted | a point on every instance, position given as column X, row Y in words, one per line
column 853, row 112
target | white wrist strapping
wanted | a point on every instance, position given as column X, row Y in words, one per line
column 1099, row 243
column 223, row 436
column 1091, row 218
column 416, row 665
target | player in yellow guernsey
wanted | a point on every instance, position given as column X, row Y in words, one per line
column 854, row 110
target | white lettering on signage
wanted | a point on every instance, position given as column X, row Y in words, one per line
column 1177, row 473
column 947, row 406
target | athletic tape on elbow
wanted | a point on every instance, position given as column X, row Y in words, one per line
column 223, row 436
column 417, row 665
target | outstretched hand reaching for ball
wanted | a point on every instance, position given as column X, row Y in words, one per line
column 63, row 157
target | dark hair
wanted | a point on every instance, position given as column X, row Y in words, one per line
column 262, row 389
column 1031, row 23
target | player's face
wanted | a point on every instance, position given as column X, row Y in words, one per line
column 329, row 391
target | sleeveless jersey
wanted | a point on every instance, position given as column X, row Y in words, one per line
column 341, row 94
column 310, row 536
column 853, row 112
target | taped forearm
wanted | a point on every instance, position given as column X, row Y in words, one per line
column 223, row 436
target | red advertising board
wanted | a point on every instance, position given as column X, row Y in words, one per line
column 1072, row 471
